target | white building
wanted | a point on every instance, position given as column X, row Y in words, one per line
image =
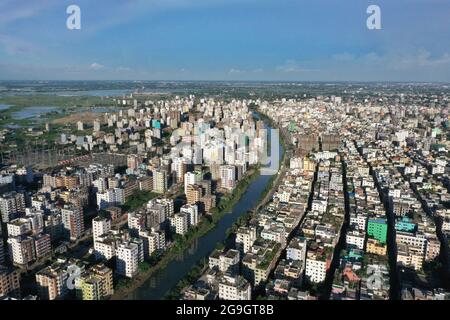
column 21, row 250
column 181, row 223
column 153, row 240
column 234, row 288
column 245, row 237
column 100, row 226
column 274, row 232
column 359, row 220
column 11, row 205
column 228, row 177
column 104, row 247
column 190, row 178
column 18, row 227
column 296, row 250
column 356, row 238
column 192, row 211
column 319, row 205
column 111, row 197
column 315, row 269
column 128, row 256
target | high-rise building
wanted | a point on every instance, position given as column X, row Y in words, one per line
column 9, row 282
column 100, row 226
column 52, row 281
column 160, row 182
column 179, row 169
column 100, row 185
column 208, row 202
column 245, row 237
column 192, row 211
column 153, row 240
column 12, row 204
column 191, row 178
column 110, row 198
column 21, row 250
column 193, row 193
column 2, row 251
column 316, row 268
column 128, row 256
column 42, row 245
column 19, row 227
column 228, row 177
column 197, row 157
column 105, row 247
column 136, row 222
column 206, row 186
column 166, row 204
column 181, row 223
column 73, row 221
column 97, row 283
column 145, row 183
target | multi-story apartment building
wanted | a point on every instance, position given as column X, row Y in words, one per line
column 2, row 251
column 228, row 177
column 97, row 283
column 245, row 238
column 128, row 256
column 376, row 247
column 110, row 198
column 181, row 223
column 21, row 250
column 192, row 211
column 316, row 268
column 234, row 288
column 12, row 204
column 194, row 193
column 154, row 240
column 160, row 181
column 52, row 282
column 9, row 282
column 73, row 221
column 100, row 226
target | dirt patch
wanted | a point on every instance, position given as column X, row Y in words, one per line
column 85, row 117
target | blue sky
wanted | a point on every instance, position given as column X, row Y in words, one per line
column 305, row 40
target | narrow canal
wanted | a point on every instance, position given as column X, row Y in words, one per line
column 165, row 279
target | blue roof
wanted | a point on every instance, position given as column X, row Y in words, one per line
column 379, row 220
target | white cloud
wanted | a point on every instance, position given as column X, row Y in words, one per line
column 96, row 66
column 234, row 71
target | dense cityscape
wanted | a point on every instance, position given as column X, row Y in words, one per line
column 224, row 191
column 217, row 158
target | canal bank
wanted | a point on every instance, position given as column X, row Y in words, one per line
column 162, row 278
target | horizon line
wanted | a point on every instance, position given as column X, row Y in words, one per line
column 245, row 81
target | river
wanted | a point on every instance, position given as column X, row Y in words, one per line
column 165, row 279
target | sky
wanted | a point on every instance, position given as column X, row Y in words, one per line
column 278, row 40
